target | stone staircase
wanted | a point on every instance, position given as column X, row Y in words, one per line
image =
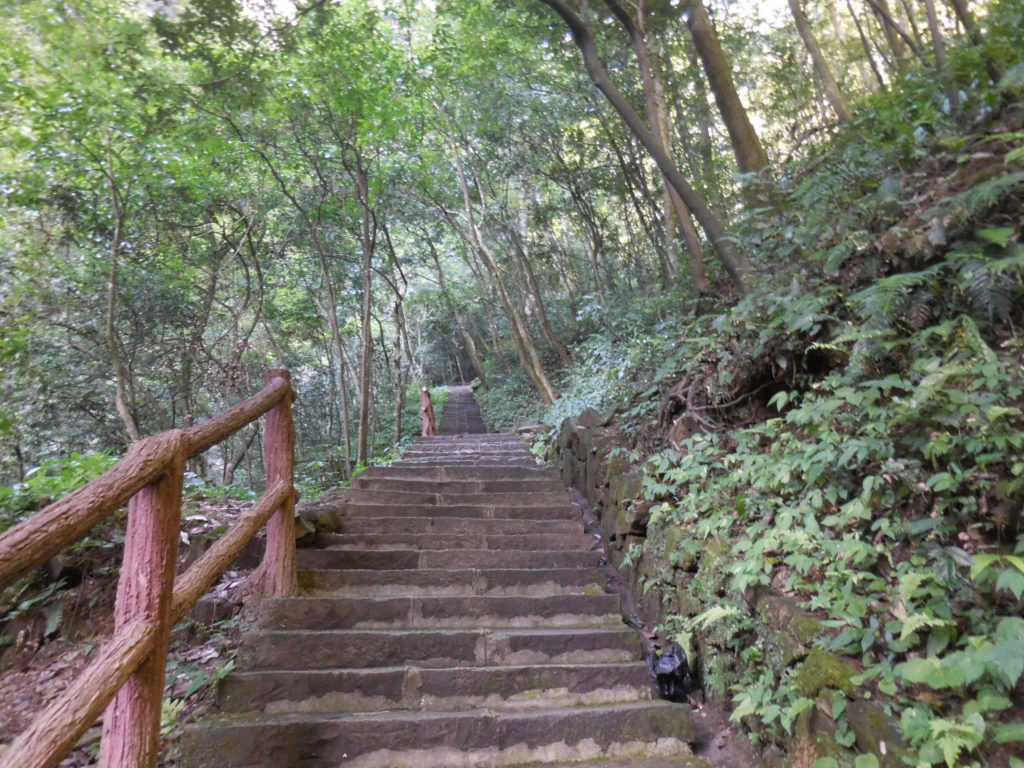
column 459, row 619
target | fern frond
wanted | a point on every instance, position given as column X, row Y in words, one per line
column 887, row 298
column 989, row 292
column 980, row 198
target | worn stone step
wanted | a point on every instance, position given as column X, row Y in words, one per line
column 453, row 526
column 668, row 761
column 430, row 485
column 454, row 612
column 472, row 462
column 442, row 739
column 562, row 511
column 459, row 441
column 489, row 499
column 449, row 450
column 306, row 649
column 415, row 541
column 411, row 687
column 463, row 581
column 394, row 559
column 440, row 470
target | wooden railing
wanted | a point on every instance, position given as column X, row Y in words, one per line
column 127, row 678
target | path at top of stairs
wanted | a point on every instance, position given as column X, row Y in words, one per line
column 459, row 618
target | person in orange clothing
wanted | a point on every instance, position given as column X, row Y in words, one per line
column 427, row 412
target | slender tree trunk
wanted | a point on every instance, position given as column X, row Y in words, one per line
column 657, row 117
column 864, row 41
column 732, row 259
column 533, row 288
column 366, row 368
column 821, row 67
column 899, row 39
column 750, row 154
column 870, row 85
column 520, row 334
column 939, row 49
column 233, row 462
column 963, row 13
column 467, row 337
column 121, row 373
column 330, row 314
column 915, row 32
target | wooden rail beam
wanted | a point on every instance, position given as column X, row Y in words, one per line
column 66, row 521
column 128, row 676
column 56, row 729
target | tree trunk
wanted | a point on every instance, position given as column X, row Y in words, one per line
column 121, row 373
column 821, row 67
column 533, row 287
column 866, row 44
column 862, row 69
column 732, row 259
column 233, row 462
column 657, row 117
column 939, row 49
column 899, row 39
column 366, row 364
column 880, row 9
column 467, row 338
column 963, row 13
column 528, row 357
column 750, row 154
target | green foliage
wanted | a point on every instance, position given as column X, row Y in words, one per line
column 48, row 482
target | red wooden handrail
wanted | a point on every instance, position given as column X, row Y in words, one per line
column 127, row 678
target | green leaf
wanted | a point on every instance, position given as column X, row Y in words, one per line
column 54, row 614
column 866, row 761
column 1010, row 628
column 981, row 563
column 779, row 399
column 1007, row 660
column 1013, row 79
column 911, row 582
column 920, row 670
column 1000, row 235
column 919, row 620
column 888, row 687
column 1011, row 580
column 826, row 762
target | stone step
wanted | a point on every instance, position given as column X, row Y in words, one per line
column 326, row 649
column 472, row 462
column 440, row 470
column 562, row 511
column 668, row 761
column 453, row 526
column 410, row 687
column 454, row 612
column 441, row 739
column 466, row 581
column 394, row 559
column 489, row 499
column 447, row 447
column 430, row 485
column 417, row 541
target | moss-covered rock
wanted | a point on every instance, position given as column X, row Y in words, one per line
column 876, row 733
column 822, row 669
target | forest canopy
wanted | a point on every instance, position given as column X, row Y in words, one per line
column 778, row 246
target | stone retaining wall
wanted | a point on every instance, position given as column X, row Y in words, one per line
column 670, row 575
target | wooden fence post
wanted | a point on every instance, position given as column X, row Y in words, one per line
column 131, row 724
column 277, row 571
